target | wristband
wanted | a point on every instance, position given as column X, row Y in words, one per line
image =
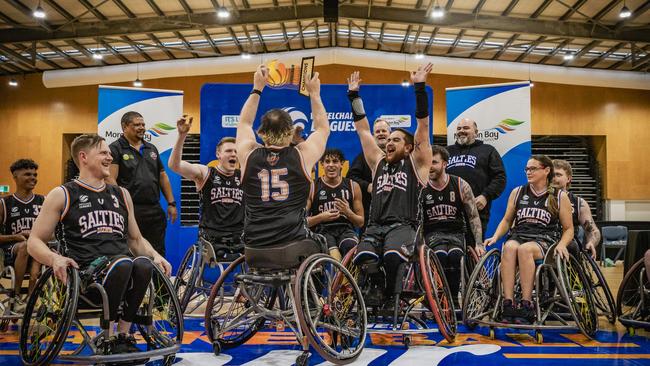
column 358, row 112
column 421, row 102
column 172, row 203
column 256, row 91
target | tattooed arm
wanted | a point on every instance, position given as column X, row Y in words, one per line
column 472, row 215
column 592, row 234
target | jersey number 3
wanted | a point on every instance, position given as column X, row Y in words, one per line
column 273, row 181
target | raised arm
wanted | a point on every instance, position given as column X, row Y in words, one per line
column 314, row 147
column 592, row 234
column 371, row 151
column 472, row 215
column 42, row 231
column 138, row 245
column 194, row 172
column 422, row 145
column 246, row 142
column 357, row 206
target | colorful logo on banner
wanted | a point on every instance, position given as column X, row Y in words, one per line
column 502, row 115
column 160, row 129
column 160, row 109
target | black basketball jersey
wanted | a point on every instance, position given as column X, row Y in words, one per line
column 324, row 199
column 20, row 215
column 276, row 188
column 443, row 208
column 222, row 203
column 94, row 222
column 532, row 215
column 576, row 203
column 395, row 193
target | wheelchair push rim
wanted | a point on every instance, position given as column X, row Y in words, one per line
column 480, row 299
column 602, row 294
column 632, row 297
column 576, row 290
column 438, row 293
column 48, row 316
column 330, row 300
column 185, row 280
column 223, row 308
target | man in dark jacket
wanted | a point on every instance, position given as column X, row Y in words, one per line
column 478, row 164
column 360, row 171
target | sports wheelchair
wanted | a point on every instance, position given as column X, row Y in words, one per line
column 56, row 308
column 8, row 311
column 633, row 299
column 562, row 295
column 200, row 268
column 320, row 302
column 425, row 294
column 605, row 304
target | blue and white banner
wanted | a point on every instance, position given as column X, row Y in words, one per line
column 502, row 113
column 160, row 109
column 221, row 104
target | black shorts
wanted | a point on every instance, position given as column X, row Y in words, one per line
column 380, row 240
column 543, row 241
column 8, row 254
column 445, row 241
column 335, row 235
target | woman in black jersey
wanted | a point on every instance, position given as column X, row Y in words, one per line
column 533, row 218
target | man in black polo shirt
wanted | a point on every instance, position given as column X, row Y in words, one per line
column 137, row 167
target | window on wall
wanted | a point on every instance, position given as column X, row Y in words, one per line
column 189, row 195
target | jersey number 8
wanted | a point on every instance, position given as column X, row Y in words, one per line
column 272, row 180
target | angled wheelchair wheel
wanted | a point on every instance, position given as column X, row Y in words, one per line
column 633, row 299
column 230, row 317
column 48, row 316
column 162, row 324
column 600, row 289
column 186, row 276
column 468, row 263
column 437, row 292
column 482, row 290
column 331, row 310
column 575, row 288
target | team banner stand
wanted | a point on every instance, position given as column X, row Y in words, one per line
column 502, row 113
column 160, row 109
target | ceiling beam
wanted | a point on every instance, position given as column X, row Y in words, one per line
column 530, row 49
column 582, row 52
column 113, row 51
column 505, row 46
column 62, row 53
column 41, row 58
column 480, row 22
column 18, row 58
column 572, row 10
column 480, row 44
column 27, row 12
column 603, row 56
column 555, row 50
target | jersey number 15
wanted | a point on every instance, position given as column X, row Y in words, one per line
column 272, row 180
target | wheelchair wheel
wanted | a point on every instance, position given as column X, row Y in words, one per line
column 438, row 293
column 632, row 298
column 468, row 263
column 482, row 292
column 48, row 316
column 230, row 319
column 329, row 300
column 164, row 320
column 576, row 291
column 186, row 276
column 602, row 294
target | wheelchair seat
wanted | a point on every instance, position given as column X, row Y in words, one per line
column 274, row 279
column 282, row 256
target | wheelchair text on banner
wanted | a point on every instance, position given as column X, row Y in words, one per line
column 502, row 113
column 160, row 109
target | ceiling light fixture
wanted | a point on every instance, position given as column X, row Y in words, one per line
column 97, row 56
column 137, row 83
column 222, row 12
column 39, row 12
column 405, row 83
column 625, row 12
column 245, row 55
column 569, row 56
column 438, row 11
column 419, row 55
column 13, row 82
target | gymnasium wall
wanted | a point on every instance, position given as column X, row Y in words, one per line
column 35, row 118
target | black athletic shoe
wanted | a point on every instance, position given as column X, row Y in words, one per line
column 508, row 312
column 124, row 343
column 526, row 313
